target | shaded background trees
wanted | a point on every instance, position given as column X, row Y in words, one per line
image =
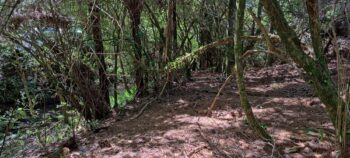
column 84, row 60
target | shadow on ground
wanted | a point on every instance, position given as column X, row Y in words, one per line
column 177, row 126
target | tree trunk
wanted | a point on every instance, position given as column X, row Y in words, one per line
column 314, row 24
column 174, row 30
column 230, row 57
column 205, row 37
column 95, row 105
column 99, row 50
column 162, row 38
column 239, row 74
column 259, row 13
column 270, row 59
column 135, row 9
column 316, row 70
column 170, row 34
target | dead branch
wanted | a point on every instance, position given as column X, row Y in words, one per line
column 212, row 106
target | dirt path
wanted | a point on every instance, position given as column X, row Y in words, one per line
column 177, row 126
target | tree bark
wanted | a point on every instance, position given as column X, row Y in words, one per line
column 315, row 29
column 170, row 34
column 239, row 73
column 205, row 36
column 316, row 70
column 174, row 29
column 230, row 61
column 99, row 50
column 135, row 9
column 162, row 38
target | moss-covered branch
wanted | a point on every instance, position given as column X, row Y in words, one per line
column 180, row 62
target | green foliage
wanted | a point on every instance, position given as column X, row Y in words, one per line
column 93, row 124
column 123, row 98
column 320, row 133
column 43, row 130
column 10, row 84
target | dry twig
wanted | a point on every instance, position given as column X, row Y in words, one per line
column 212, row 106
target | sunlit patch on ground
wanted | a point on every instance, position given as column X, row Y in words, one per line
column 174, row 126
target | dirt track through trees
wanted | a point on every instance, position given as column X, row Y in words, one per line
column 175, row 125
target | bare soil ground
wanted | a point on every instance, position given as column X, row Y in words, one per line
column 177, row 125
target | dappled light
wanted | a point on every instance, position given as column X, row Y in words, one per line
column 174, row 79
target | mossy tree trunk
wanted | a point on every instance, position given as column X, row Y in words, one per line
column 316, row 69
column 239, row 73
column 314, row 24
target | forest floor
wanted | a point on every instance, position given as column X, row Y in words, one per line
column 177, row 125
